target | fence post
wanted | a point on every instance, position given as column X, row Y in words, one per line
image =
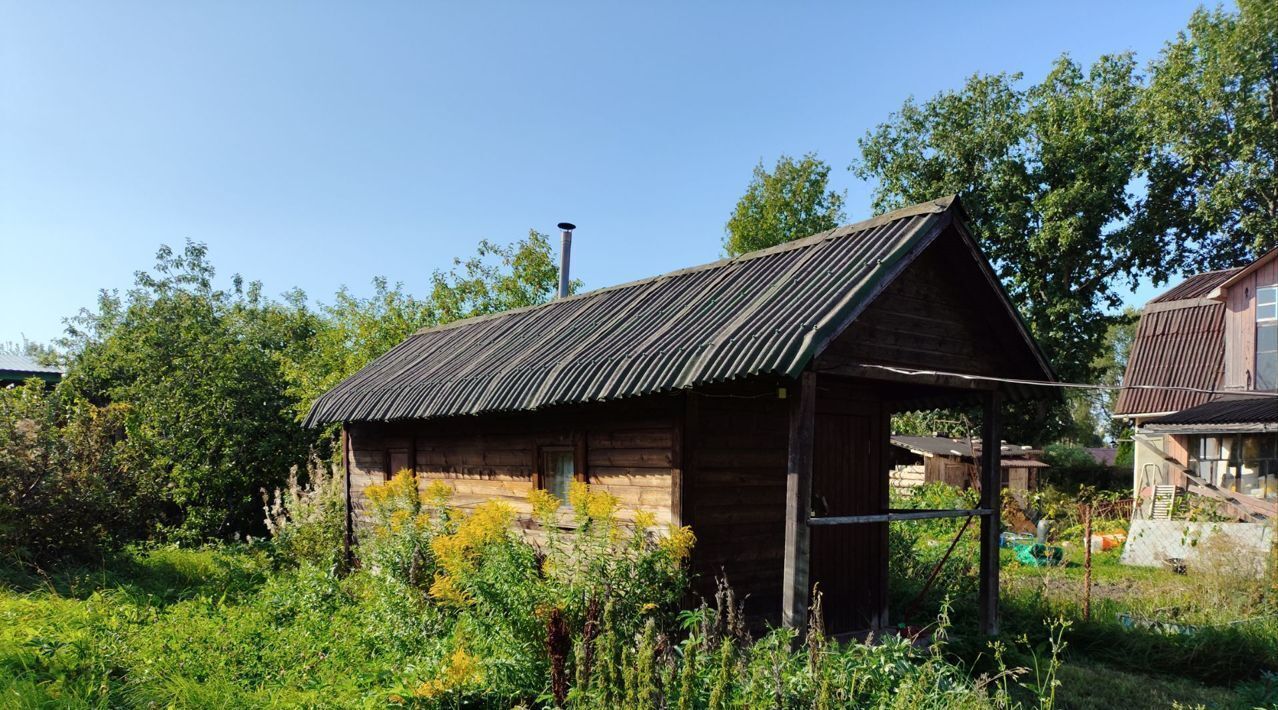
column 1087, row 562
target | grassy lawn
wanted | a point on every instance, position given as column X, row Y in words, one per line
column 217, row 628
column 1205, row 638
column 1221, row 649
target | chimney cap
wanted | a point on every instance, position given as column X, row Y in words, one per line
column 567, row 225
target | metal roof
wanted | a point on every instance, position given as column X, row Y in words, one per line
column 1196, row 286
column 1252, row 413
column 763, row 313
column 1254, row 266
column 1174, row 347
column 947, row 446
column 15, row 367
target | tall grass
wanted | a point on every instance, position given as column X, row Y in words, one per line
column 450, row 609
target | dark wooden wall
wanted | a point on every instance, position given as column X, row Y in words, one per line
column 736, row 442
column 630, row 449
column 735, row 496
column 850, row 477
column 939, row 314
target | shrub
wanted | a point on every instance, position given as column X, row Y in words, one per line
column 505, row 597
column 67, row 485
column 307, row 522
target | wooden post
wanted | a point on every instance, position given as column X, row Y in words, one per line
column 348, row 537
column 1087, row 562
column 798, row 503
column 991, row 498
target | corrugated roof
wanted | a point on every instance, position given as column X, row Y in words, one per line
column 1174, row 347
column 14, row 366
column 1250, row 410
column 763, row 313
column 1196, row 286
column 947, row 446
column 1259, row 262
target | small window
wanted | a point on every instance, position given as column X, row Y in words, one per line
column 1267, row 338
column 1267, row 303
column 397, row 460
column 558, row 469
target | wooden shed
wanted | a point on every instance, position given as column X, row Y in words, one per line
column 748, row 398
column 957, row 462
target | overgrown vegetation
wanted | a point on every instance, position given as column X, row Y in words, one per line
column 69, row 483
column 1207, row 637
column 450, row 609
column 182, row 401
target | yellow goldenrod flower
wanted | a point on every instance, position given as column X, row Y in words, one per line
column 460, row 670
column 544, row 504
column 437, row 494
column 602, row 505
column 445, row 591
column 579, row 498
column 645, row 519
column 678, row 544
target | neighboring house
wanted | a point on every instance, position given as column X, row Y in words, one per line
column 1103, row 455
column 956, row 462
column 16, row 369
column 1210, row 346
column 730, row 397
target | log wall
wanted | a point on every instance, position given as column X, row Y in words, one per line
column 630, row 450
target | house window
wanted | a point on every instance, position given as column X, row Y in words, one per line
column 1209, row 459
column 558, row 469
column 1242, row 463
column 1266, row 338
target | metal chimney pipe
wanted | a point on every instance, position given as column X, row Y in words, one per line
column 565, row 255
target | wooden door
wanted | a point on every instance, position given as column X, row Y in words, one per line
column 849, row 562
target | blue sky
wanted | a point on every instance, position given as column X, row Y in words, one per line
column 319, row 144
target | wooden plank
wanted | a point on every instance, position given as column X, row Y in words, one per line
column 798, row 501
column 741, row 458
column 618, row 476
column 677, row 434
column 656, row 438
column 633, row 458
column 713, row 477
column 897, row 516
column 987, row 594
column 349, row 537
column 875, row 373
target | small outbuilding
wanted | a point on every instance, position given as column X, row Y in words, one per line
column 731, row 397
column 16, row 369
column 957, row 462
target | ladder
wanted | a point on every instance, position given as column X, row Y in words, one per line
column 1164, row 501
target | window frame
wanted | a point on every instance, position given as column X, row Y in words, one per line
column 577, row 448
column 1273, row 290
column 1265, row 321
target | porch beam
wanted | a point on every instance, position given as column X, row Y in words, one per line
column 991, row 500
column 798, row 503
column 893, row 516
column 348, row 524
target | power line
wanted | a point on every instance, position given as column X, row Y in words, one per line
column 1066, row 385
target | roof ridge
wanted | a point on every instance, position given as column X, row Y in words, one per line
column 1186, row 279
column 936, row 206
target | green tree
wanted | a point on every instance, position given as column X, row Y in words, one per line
column 497, row 278
column 1212, row 109
column 352, row 331
column 791, row 201
column 199, row 370
column 67, row 487
column 1044, row 172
